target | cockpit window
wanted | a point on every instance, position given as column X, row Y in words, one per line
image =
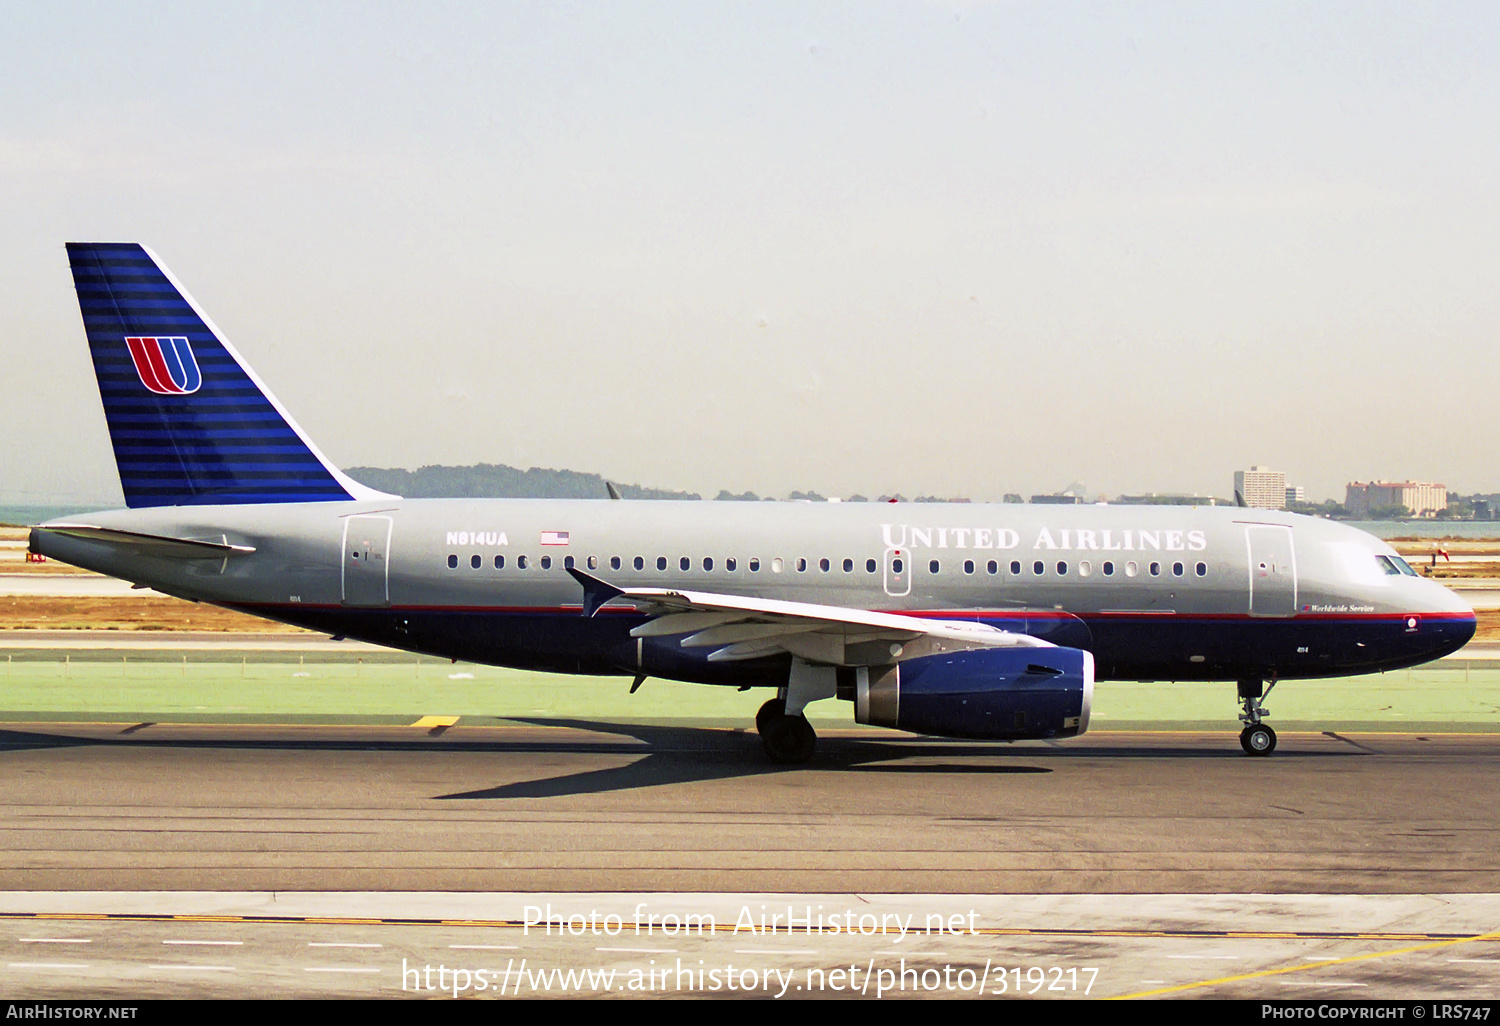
column 1404, row 565
column 1388, row 566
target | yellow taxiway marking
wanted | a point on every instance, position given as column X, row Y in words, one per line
column 436, row 721
column 1304, row 968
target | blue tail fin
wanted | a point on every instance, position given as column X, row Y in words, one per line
column 191, row 424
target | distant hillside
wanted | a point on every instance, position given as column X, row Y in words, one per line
column 496, row 481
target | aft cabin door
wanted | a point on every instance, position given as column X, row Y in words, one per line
column 1273, row 570
column 366, row 560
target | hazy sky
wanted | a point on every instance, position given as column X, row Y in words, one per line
column 928, row 247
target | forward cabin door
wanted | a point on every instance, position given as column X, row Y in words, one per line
column 1273, row 570
column 366, row 560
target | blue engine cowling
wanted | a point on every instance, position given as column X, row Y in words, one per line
column 998, row 694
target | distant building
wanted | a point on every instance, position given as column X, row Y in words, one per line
column 1422, row 498
column 1065, row 499
column 1261, row 487
column 1295, row 494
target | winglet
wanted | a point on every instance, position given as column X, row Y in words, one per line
column 595, row 591
column 614, row 493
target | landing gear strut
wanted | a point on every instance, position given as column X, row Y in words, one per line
column 1257, row 738
column 788, row 740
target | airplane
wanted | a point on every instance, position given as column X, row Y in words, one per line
column 957, row 620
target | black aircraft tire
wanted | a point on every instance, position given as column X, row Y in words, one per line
column 1258, row 740
column 789, row 740
column 774, row 709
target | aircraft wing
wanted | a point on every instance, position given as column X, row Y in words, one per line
column 739, row 627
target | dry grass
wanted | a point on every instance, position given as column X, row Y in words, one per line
column 147, row 613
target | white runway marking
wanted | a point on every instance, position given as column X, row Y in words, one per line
column 1227, row 958
column 48, row 965
column 224, row 943
column 55, row 940
column 196, row 968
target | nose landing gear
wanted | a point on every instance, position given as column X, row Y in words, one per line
column 1257, row 738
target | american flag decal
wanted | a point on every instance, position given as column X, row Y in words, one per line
column 554, row 537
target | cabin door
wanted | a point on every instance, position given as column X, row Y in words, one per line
column 366, row 560
column 1273, row 570
column 897, row 572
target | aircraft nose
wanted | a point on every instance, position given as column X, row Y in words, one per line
column 1444, row 619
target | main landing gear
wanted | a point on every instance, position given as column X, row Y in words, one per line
column 788, row 740
column 1257, row 738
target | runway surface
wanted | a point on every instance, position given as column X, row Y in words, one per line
column 154, row 860
column 579, row 806
column 1280, row 947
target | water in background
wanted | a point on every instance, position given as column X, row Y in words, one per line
column 25, row 516
column 1428, row 528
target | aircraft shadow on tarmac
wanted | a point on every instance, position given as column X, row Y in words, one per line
column 681, row 755
column 673, row 754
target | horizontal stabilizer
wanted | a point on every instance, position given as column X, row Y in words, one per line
column 150, row 544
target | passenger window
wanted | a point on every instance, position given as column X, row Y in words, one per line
column 823, row 564
column 1176, row 569
column 1109, row 569
column 520, row 562
column 968, row 566
column 801, row 565
column 897, row 566
column 848, row 566
column 754, row 564
column 639, row 562
column 1085, row 568
column 614, row 562
column 499, row 562
column 1062, row 568
column 1202, row 569
column 593, row 562
column 684, row 563
column 661, row 562
column 1015, row 567
column 546, row 562
column 1155, row 569
column 567, row 562
column 475, row 560
column 1039, row 568
column 932, row 567
column 776, row 566
column 1131, row 569
column 869, row 566
column 452, row 562
column 992, row 567
column 708, row 563
column 730, row 564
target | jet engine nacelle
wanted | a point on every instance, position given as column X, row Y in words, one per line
column 1008, row 694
